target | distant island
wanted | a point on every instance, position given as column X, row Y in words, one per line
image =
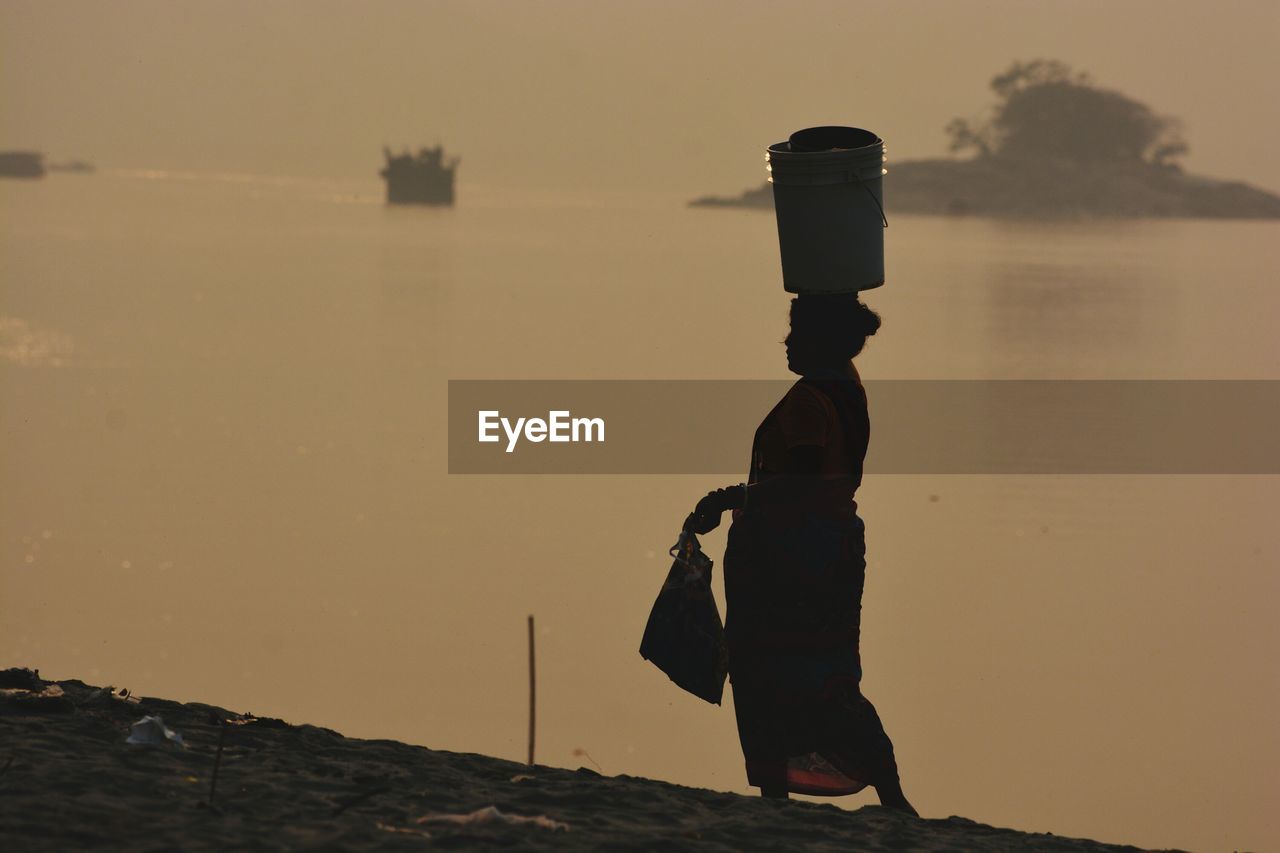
column 1056, row 145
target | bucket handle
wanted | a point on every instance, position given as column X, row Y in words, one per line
column 884, row 219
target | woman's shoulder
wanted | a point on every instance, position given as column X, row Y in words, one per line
column 832, row 395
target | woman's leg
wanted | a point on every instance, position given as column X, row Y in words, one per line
column 776, row 792
column 888, row 786
column 759, row 731
column 862, row 749
column 891, row 797
column 771, row 777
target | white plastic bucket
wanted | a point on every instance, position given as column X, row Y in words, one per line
column 830, row 209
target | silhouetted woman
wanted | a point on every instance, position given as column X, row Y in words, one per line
column 794, row 572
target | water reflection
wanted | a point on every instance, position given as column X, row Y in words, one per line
column 28, row 344
column 254, row 480
column 1069, row 319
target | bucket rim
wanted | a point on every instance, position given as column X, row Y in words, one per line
column 858, row 165
column 830, row 136
column 784, row 148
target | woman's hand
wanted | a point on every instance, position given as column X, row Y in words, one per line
column 706, row 515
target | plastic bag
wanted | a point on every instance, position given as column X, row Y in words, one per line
column 684, row 636
column 152, row 731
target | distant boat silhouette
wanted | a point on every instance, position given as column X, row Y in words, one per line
column 21, row 164
column 422, row 178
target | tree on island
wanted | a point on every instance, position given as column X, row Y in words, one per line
column 1047, row 111
column 1056, row 145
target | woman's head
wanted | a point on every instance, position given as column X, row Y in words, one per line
column 827, row 330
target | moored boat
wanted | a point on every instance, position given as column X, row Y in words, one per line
column 21, row 164
column 422, row 178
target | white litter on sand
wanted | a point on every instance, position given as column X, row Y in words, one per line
column 491, row 814
column 152, row 731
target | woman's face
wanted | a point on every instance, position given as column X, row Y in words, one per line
column 800, row 355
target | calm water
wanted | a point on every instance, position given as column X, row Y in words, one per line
column 224, row 480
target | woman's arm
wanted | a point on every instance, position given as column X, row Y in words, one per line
column 800, row 477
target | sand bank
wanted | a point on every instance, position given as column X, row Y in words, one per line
column 69, row 779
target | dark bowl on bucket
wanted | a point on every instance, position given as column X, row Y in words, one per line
column 813, row 139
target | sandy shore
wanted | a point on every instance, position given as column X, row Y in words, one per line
column 69, row 780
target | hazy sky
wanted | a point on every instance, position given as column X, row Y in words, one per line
column 674, row 96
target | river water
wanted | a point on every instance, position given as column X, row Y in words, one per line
column 225, row 480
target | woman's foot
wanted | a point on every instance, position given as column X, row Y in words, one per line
column 891, row 797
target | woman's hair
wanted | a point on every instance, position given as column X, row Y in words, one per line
column 833, row 326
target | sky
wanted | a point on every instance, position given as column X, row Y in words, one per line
column 610, row 96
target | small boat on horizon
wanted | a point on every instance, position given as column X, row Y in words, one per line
column 422, row 178
column 21, row 164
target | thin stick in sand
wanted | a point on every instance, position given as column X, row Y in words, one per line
column 217, row 759
column 532, row 692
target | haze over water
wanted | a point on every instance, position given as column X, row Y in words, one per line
column 223, row 424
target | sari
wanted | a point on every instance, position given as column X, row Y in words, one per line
column 793, row 588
